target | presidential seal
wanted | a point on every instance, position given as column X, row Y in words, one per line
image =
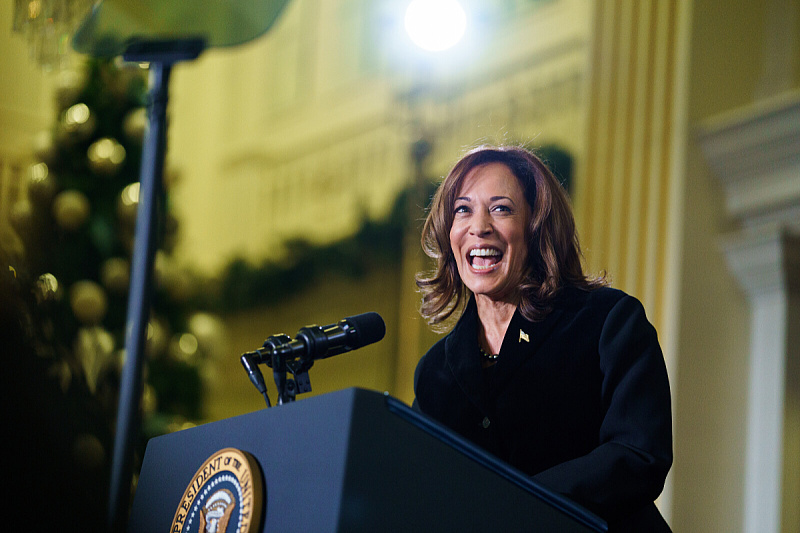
column 224, row 496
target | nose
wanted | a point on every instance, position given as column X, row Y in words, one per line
column 481, row 224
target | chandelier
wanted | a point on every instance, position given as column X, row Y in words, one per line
column 48, row 25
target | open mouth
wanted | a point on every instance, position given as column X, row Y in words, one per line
column 484, row 258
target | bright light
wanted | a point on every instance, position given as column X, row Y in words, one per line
column 435, row 24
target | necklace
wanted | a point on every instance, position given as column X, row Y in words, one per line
column 488, row 356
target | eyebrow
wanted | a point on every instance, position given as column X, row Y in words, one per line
column 493, row 198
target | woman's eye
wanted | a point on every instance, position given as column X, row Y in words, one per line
column 461, row 209
column 501, row 208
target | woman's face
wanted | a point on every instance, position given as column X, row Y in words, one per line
column 488, row 232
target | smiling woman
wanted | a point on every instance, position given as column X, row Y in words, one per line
column 547, row 368
column 552, row 253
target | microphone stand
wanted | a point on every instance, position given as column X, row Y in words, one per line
column 297, row 356
column 162, row 33
column 289, row 388
column 161, row 55
column 275, row 355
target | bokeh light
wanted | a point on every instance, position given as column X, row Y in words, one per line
column 435, row 25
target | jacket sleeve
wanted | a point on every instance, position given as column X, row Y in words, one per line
column 628, row 468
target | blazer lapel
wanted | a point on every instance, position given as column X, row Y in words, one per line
column 463, row 357
column 522, row 341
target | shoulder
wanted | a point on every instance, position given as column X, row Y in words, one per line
column 435, row 356
column 437, row 351
column 617, row 320
column 600, row 300
column 464, row 330
column 603, row 310
column 434, row 364
column 434, row 377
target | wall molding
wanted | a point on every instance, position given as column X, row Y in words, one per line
column 754, row 152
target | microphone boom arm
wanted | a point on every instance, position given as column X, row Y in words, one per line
column 284, row 354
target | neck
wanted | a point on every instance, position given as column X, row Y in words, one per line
column 494, row 317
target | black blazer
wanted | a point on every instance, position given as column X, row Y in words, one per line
column 579, row 400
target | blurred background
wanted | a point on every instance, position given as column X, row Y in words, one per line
column 297, row 173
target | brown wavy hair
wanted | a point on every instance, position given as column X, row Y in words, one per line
column 554, row 253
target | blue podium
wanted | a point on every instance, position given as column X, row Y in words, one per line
column 353, row 460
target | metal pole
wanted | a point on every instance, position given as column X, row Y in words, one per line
column 150, row 188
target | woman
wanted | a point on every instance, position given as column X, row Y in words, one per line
column 546, row 368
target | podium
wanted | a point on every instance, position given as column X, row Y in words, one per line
column 353, row 460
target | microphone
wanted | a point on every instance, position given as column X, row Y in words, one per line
column 255, row 376
column 319, row 342
column 254, row 373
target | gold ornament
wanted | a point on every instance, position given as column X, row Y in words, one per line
column 21, row 216
column 47, row 288
column 210, row 333
column 157, row 337
column 77, row 124
column 41, row 185
column 94, row 347
column 106, row 156
column 71, row 209
column 127, row 204
column 44, row 148
column 183, row 347
column 115, row 274
column 164, row 270
column 88, row 301
column 134, row 124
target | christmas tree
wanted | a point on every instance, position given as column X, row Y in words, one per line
column 65, row 296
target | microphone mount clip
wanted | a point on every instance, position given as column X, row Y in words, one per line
column 296, row 356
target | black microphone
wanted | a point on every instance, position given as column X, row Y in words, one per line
column 255, row 376
column 253, row 373
column 318, row 342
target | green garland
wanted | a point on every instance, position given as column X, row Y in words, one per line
column 244, row 285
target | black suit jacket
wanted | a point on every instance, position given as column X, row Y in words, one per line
column 579, row 400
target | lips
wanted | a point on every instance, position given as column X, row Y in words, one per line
column 484, row 258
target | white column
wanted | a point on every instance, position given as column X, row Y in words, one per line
column 767, row 265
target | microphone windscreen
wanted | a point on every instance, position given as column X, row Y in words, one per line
column 369, row 328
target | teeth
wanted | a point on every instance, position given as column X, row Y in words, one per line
column 483, row 252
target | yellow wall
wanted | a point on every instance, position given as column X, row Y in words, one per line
column 287, row 135
column 711, row 382
column 374, row 367
column 302, row 130
column 26, row 106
